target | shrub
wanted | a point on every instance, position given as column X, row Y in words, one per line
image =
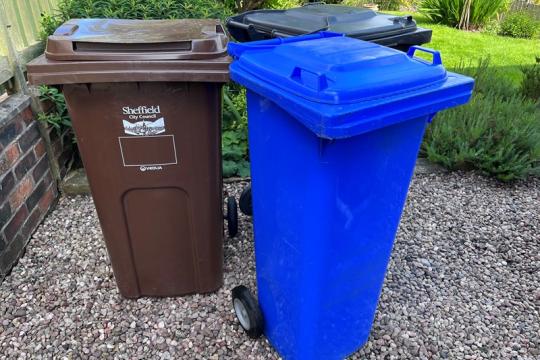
column 498, row 132
column 492, row 27
column 519, row 24
column 392, row 5
column 234, row 130
column 487, row 79
column 462, row 13
column 132, row 9
column 58, row 116
column 531, row 82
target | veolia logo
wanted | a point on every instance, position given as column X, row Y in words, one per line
column 151, row 168
column 126, row 110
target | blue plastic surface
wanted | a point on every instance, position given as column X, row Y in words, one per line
column 346, row 86
column 338, row 70
column 327, row 199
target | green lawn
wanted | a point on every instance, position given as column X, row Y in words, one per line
column 506, row 53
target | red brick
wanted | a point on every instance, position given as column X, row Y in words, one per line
column 13, row 227
column 28, row 115
column 25, row 165
column 7, row 183
column 31, row 222
column 10, row 157
column 39, row 149
column 13, row 153
column 9, row 132
column 47, row 199
column 21, row 192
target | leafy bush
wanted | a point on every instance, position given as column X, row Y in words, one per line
column 392, row 5
column 234, row 132
column 132, row 9
column 487, row 79
column 58, row 117
column 531, row 82
column 462, row 13
column 283, row 4
column 519, row 24
column 498, row 132
column 492, row 27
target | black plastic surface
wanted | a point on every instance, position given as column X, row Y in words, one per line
column 365, row 24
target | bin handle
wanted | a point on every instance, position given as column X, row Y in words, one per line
column 239, row 24
column 437, row 60
column 309, row 79
column 237, row 49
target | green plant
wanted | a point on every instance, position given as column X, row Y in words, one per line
column 234, row 133
column 283, row 4
column 531, row 81
column 244, row 5
column 132, row 9
column 519, row 24
column 488, row 80
column 492, row 27
column 462, row 13
column 498, row 132
column 58, row 116
column 390, row 5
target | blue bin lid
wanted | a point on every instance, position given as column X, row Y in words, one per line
column 334, row 69
column 325, row 78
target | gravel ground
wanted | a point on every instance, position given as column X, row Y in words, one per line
column 464, row 283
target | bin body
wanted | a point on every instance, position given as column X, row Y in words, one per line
column 330, row 179
column 148, row 132
column 325, row 216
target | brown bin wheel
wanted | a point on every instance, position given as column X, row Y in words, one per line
column 247, row 311
column 232, row 216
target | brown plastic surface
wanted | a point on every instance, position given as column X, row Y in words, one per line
column 50, row 72
column 118, row 39
column 149, row 135
column 158, row 196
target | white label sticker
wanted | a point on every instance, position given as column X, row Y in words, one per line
column 143, row 120
column 145, row 128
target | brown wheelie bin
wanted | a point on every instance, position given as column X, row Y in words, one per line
column 145, row 101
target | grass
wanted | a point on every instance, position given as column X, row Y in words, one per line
column 506, row 53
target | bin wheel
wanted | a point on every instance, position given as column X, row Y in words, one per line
column 247, row 311
column 232, row 216
column 246, row 202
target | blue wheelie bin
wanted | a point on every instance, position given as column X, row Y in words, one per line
column 335, row 126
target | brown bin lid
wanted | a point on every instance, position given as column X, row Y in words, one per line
column 112, row 50
column 118, row 39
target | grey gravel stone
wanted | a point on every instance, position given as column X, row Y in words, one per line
column 463, row 283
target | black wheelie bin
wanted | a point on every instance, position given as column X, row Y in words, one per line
column 399, row 32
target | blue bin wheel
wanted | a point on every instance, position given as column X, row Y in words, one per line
column 232, row 216
column 247, row 311
column 246, row 203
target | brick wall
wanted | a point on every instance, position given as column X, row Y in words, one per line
column 27, row 185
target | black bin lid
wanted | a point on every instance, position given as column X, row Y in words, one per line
column 361, row 23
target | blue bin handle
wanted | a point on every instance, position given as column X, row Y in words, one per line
column 237, row 49
column 437, row 60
